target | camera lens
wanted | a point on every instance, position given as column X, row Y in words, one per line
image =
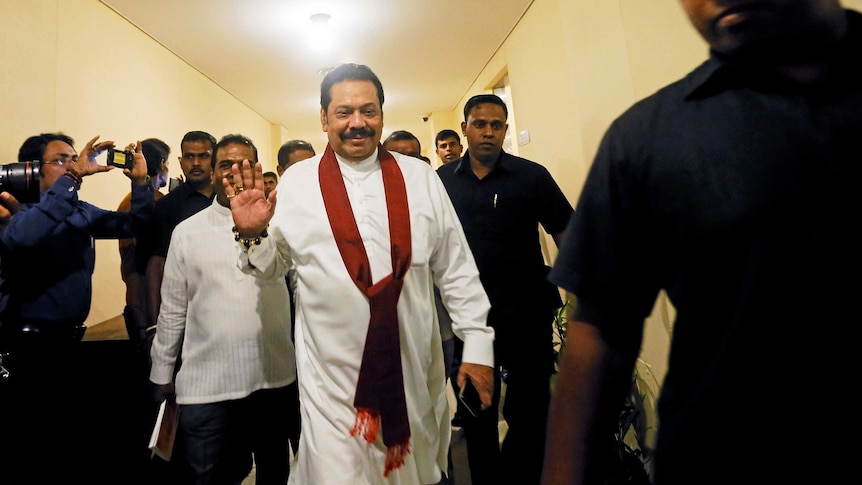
column 21, row 179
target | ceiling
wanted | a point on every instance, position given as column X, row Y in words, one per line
column 426, row 53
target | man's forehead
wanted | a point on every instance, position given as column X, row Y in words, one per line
column 59, row 146
column 448, row 141
column 411, row 146
column 487, row 111
column 349, row 90
column 235, row 149
column 300, row 154
column 196, row 145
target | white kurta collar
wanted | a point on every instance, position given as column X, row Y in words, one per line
column 369, row 164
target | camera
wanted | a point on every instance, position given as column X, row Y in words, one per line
column 119, row 158
column 21, row 179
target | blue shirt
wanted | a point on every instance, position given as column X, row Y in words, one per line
column 49, row 255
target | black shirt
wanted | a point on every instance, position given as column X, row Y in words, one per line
column 500, row 215
column 170, row 210
column 737, row 193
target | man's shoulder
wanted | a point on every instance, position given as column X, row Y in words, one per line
column 193, row 221
column 514, row 162
column 171, row 197
column 181, row 191
column 675, row 93
column 177, row 198
column 125, row 204
column 513, row 167
column 668, row 106
column 448, row 169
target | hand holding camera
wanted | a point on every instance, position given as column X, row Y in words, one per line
column 9, row 205
column 86, row 163
column 21, row 179
column 131, row 160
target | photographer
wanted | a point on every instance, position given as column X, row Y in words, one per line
column 48, row 255
column 8, row 207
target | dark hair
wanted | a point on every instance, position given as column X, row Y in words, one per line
column 198, row 136
column 201, row 136
column 232, row 140
column 33, row 148
column 400, row 135
column 155, row 151
column 444, row 134
column 270, row 174
column 289, row 147
column 347, row 72
column 482, row 99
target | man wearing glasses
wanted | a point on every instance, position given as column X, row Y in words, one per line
column 48, row 254
column 192, row 196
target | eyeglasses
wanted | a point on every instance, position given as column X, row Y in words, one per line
column 63, row 160
column 200, row 156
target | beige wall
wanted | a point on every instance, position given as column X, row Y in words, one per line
column 574, row 66
column 76, row 66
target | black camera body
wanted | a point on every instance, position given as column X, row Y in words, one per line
column 21, row 179
column 122, row 159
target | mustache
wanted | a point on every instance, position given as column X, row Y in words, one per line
column 366, row 132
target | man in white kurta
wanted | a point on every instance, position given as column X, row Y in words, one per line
column 236, row 383
column 332, row 314
column 229, row 348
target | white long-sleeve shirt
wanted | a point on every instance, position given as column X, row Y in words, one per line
column 234, row 328
column 332, row 316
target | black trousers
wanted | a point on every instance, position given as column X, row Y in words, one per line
column 77, row 412
column 524, row 352
column 221, row 438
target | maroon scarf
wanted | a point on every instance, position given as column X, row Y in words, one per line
column 380, row 399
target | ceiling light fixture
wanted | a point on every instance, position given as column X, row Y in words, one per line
column 321, row 35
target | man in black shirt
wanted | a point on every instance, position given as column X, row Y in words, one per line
column 193, row 195
column 501, row 199
column 734, row 190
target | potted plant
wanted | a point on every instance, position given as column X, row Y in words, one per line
column 636, row 425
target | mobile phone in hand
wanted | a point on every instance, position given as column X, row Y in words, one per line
column 469, row 397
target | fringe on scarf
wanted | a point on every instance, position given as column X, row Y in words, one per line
column 395, row 455
column 367, row 425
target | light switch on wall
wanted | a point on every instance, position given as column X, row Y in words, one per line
column 523, row 137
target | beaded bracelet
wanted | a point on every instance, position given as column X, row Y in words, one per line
column 247, row 242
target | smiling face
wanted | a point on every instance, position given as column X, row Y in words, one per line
column 763, row 28
column 485, row 130
column 353, row 121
